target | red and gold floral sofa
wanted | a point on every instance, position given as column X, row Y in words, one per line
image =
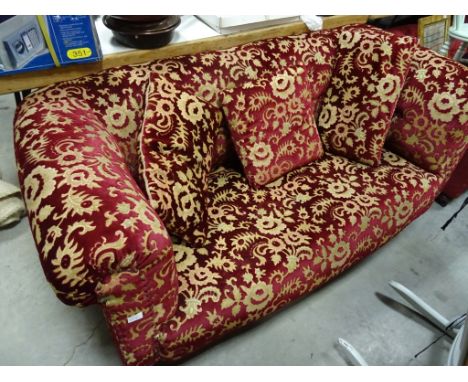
column 100, row 240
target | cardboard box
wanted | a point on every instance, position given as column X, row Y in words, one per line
column 41, row 42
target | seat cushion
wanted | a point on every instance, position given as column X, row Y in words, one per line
column 358, row 106
column 272, row 124
column 268, row 246
column 177, row 143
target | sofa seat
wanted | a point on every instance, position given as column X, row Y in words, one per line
column 266, row 247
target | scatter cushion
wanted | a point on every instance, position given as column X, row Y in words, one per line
column 272, row 124
column 357, row 108
column 177, row 145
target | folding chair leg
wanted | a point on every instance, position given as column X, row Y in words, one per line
column 353, row 354
column 423, row 308
column 459, row 350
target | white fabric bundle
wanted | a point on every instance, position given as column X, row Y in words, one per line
column 11, row 206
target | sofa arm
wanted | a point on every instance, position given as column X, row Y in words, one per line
column 97, row 236
column 430, row 124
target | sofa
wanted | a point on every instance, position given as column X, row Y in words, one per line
column 143, row 198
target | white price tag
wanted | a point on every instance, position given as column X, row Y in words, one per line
column 135, row 317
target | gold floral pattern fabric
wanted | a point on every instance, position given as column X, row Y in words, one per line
column 117, row 98
column 177, row 149
column 272, row 124
column 100, row 241
column 268, row 246
column 91, row 223
column 358, row 106
column 430, row 125
column 76, row 142
column 206, row 75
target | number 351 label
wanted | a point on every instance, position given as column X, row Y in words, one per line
column 77, row 53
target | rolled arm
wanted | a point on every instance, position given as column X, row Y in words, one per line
column 430, row 125
column 97, row 236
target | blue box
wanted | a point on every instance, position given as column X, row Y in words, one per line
column 40, row 42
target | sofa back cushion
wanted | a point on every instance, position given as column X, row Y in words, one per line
column 177, row 142
column 272, row 124
column 366, row 82
column 430, row 125
column 207, row 74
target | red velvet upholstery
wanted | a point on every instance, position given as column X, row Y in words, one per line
column 177, row 147
column 117, row 98
column 457, row 184
column 358, row 106
column 429, row 127
column 99, row 239
column 91, row 223
column 266, row 247
column 207, row 75
column 272, row 124
column 405, row 30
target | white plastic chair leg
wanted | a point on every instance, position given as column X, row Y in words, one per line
column 423, row 308
column 353, row 354
column 459, row 349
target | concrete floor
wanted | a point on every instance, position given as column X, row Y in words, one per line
column 36, row 329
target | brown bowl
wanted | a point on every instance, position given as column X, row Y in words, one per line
column 143, row 36
column 123, row 26
column 140, row 18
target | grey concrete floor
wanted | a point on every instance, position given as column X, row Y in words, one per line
column 36, row 329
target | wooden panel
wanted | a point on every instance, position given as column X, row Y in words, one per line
column 338, row 21
column 40, row 78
